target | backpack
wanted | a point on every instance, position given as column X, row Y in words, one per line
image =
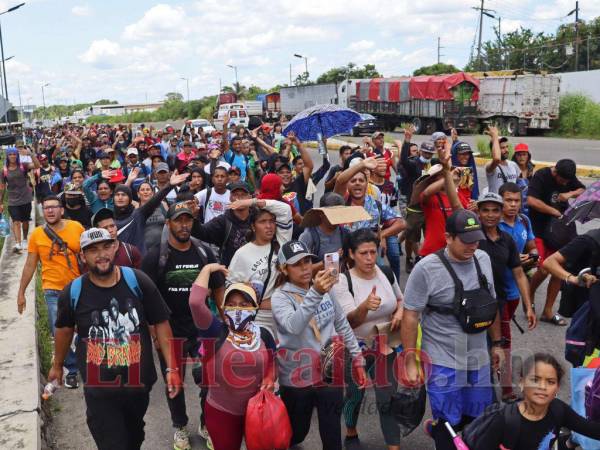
column 387, row 271
column 128, row 275
column 5, row 171
column 474, row 309
column 228, row 228
column 558, row 233
column 475, row 432
column 582, row 336
column 592, row 398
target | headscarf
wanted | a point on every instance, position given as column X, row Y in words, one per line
column 122, row 212
column 270, row 189
column 472, row 165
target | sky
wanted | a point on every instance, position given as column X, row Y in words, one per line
column 134, row 50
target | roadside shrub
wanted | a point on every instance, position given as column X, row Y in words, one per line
column 579, row 116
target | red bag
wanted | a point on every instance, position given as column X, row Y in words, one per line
column 267, row 423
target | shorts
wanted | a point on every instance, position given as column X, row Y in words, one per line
column 20, row 213
column 543, row 250
column 415, row 220
column 457, row 393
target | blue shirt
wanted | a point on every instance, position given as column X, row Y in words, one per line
column 377, row 219
column 521, row 232
column 238, row 160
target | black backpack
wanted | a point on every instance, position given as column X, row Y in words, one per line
column 476, row 432
column 476, row 309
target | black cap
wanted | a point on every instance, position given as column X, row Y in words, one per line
column 102, row 214
column 463, row 147
column 566, row 168
column 465, row 224
column 238, row 185
column 293, row 251
column 427, row 146
column 178, row 209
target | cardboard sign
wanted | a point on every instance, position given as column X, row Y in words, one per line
column 336, row 215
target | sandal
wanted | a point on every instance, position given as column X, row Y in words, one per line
column 554, row 320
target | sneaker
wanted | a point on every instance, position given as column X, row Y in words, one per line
column 17, row 248
column 24, row 244
column 71, row 381
column 181, row 440
column 203, row 433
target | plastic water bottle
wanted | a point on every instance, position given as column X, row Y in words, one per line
column 4, row 227
column 49, row 389
column 322, row 149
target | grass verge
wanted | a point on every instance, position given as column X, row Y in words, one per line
column 42, row 327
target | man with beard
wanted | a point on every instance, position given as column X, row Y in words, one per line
column 117, row 381
column 55, row 246
column 174, row 265
column 500, row 170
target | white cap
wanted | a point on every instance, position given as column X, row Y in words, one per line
column 132, row 151
column 94, row 236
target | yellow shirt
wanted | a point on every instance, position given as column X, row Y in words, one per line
column 56, row 271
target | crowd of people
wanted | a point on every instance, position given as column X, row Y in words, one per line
column 194, row 246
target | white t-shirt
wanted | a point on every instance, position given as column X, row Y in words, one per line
column 362, row 288
column 217, row 203
column 495, row 179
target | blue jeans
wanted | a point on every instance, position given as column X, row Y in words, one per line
column 393, row 255
column 51, row 297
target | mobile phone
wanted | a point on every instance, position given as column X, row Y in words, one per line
column 332, row 261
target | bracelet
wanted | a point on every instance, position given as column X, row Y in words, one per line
column 498, row 343
column 169, row 370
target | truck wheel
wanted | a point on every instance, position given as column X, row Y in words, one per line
column 418, row 124
column 512, row 126
column 430, row 126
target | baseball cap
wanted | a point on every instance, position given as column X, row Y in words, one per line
column 463, row 147
column 465, row 224
column 566, row 168
column 42, row 157
column 244, row 289
column 72, row 189
column 132, row 151
column 238, row 185
column 94, row 236
column 438, row 135
column 103, row 155
column 161, row 167
column 377, row 134
column 427, row 147
column 293, row 251
column 521, row 147
column 490, row 197
column 102, row 214
column 12, row 151
column 178, row 209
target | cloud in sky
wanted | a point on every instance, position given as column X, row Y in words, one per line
column 125, row 51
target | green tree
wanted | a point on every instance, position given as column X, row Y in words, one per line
column 436, row 69
column 350, row 70
column 302, row 80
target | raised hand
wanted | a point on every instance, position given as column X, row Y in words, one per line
column 178, row 178
column 373, row 300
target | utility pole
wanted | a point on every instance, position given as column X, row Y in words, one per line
column 439, row 47
column 290, row 74
column 588, row 51
column 487, row 12
column 576, row 12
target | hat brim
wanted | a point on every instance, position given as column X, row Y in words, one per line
column 489, row 200
column 97, row 242
column 299, row 257
column 471, row 237
column 101, row 215
column 179, row 213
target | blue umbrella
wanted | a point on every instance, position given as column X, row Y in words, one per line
column 328, row 120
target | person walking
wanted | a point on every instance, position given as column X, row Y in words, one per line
column 122, row 303
column 55, row 246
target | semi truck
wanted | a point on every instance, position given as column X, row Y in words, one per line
column 516, row 102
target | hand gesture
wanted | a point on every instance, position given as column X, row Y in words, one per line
column 445, row 156
column 492, row 132
column 133, row 174
column 408, row 132
column 240, row 204
column 373, row 300
column 216, row 267
column 370, row 163
column 178, row 178
column 106, row 174
column 323, row 281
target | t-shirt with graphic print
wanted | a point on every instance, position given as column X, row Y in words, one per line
column 177, row 277
column 379, row 215
column 217, row 203
column 114, row 349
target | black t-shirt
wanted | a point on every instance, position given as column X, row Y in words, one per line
column 112, row 324
column 297, row 191
column 42, row 188
column 544, row 187
column 583, row 251
column 175, row 284
column 332, row 171
column 504, row 255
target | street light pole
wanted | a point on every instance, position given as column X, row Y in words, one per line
column 305, row 62
column 44, row 102
column 2, row 49
column 187, row 82
column 237, row 84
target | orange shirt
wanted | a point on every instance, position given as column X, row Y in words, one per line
column 56, row 273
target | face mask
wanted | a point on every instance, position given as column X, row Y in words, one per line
column 238, row 318
column 72, row 201
column 424, row 160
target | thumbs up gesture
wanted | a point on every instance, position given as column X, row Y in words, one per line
column 373, row 300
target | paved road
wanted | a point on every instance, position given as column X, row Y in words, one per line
column 582, row 151
column 70, row 430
